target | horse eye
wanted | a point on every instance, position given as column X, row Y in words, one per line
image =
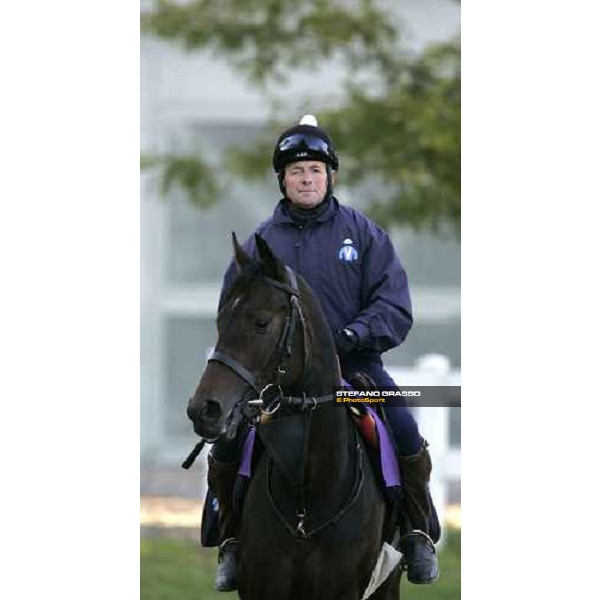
column 262, row 322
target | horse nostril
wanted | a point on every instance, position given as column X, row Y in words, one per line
column 191, row 411
column 211, row 410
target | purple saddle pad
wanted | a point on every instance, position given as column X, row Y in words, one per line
column 389, row 461
column 387, row 455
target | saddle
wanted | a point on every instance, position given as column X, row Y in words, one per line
column 373, row 427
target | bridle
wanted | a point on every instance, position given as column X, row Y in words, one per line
column 283, row 352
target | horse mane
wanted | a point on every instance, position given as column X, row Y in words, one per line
column 317, row 326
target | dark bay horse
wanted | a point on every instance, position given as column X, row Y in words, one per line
column 314, row 517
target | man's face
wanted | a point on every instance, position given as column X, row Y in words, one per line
column 306, row 183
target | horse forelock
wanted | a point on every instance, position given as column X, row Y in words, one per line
column 252, row 271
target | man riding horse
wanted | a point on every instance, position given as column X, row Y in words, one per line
column 351, row 265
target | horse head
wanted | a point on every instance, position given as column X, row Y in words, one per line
column 260, row 326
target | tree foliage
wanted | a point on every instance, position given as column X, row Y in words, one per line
column 188, row 172
column 396, row 122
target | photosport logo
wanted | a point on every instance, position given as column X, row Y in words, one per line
column 348, row 253
column 423, row 395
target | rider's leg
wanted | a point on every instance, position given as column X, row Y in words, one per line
column 415, row 469
column 223, row 464
column 417, row 544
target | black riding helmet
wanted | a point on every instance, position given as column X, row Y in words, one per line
column 305, row 141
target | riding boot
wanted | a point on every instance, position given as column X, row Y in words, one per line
column 221, row 479
column 417, row 545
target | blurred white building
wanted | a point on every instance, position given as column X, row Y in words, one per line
column 197, row 101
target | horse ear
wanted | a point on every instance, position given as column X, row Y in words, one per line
column 241, row 258
column 274, row 267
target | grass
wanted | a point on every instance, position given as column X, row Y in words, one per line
column 181, row 570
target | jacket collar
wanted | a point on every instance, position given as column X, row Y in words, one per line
column 282, row 215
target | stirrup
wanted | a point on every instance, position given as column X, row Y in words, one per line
column 231, row 541
column 414, row 533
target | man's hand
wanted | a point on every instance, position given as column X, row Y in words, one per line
column 346, row 340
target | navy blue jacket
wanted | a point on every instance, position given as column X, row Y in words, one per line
column 352, row 267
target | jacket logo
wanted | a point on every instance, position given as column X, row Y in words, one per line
column 348, row 252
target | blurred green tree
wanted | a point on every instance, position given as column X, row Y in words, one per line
column 396, row 122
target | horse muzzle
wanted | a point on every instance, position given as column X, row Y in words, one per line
column 206, row 415
column 211, row 422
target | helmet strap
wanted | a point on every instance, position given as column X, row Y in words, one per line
column 329, row 181
column 280, row 177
